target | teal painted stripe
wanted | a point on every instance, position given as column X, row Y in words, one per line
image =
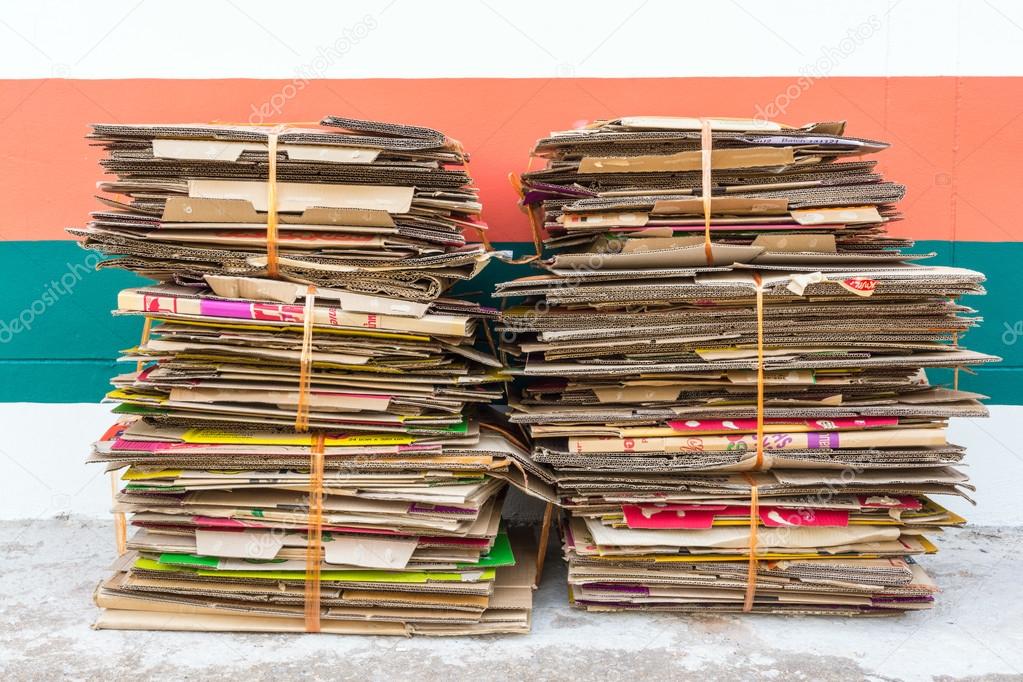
column 56, row 381
column 58, row 340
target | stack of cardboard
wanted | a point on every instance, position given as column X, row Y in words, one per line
column 248, row 369
column 729, row 386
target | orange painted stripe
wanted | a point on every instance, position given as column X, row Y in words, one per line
column 956, row 141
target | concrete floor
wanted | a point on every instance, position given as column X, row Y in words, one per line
column 49, row 568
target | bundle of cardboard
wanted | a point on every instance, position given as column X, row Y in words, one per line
column 372, row 208
column 724, row 369
column 300, row 308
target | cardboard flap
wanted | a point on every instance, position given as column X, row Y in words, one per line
column 296, row 197
column 749, row 157
column 254, row 289
column 938, row 394
column 628, row 394
column 693, row 123
column 529, row 484
column 379, row 305
column 719, row 205
column 837, row 216
column 227, row 150
column 686, row 256
column 258, row 289
column 200, row 210
column 192, row 210
column 250, row 544
column 615, row 219
column 369, row 552
column 646, row 244
column 356, row 217
column 836, row 128
column 796, row 243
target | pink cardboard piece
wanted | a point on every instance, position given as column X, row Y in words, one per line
column 837, row 423
column 694, row 517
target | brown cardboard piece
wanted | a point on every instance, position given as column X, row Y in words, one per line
column 687, row 161
column 294, row 197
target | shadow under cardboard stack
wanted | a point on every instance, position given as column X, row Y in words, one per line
column 638, row 347
column 215, row 466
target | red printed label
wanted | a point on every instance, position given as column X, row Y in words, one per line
column 861, row 286
column 277, row 313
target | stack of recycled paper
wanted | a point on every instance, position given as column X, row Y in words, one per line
column 729, row 389
column 248, row 370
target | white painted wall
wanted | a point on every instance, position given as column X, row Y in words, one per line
column 526, row 38
column 44, row 447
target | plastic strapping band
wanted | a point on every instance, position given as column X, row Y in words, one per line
column 314, row 538
column 706, row 148
column 758, row 465
column 305, row 362
column 272, row 267
column 754, row 521
column 754, row 505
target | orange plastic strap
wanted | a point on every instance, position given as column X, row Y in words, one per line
column 706, row 148
column 314, row 538
column 754, row 522
column 759, row 463
column 482, row 234
column 272, row 266
column 305, row 361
